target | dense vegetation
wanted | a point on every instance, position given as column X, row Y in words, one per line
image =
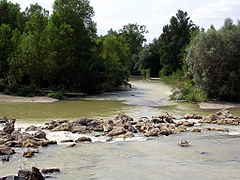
column 214, row 61
column 62, row 52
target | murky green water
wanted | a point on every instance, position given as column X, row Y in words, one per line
column 134, row 158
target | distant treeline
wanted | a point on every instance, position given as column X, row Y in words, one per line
column 62, row 52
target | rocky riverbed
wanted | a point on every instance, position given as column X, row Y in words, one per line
column 123, row 126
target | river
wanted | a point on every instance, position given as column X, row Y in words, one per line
column 212, row 155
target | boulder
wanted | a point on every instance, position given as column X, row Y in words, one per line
column 192, row 116
column 13, row 144
column 78, row 129
column 32, row 128
column 47, row 142
column 195, row 130
column 71, row 145
column 30, row 143
column 36, row 175
column 9, row 126
column 16, row 135
column 61, row 127
column 183, row 143
column 153, row 132
column 126, row 135
column 6, row 151
column 30, row 153
column 117, row 131
column 25, row 173
column 67, row 141
column 185, row 123
column 50, row 170
column 12, row 178
column 3, row 119
column 40, row 134
column 84, row 140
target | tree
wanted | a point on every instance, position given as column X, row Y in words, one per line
column 149, row 58
column 114, row 55
column 10, row 14
column 173, row 41
column 134, row 36
column 78, row 15
column 213, row 60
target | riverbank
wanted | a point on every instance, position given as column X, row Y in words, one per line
column 212, row 105
column 18, row 99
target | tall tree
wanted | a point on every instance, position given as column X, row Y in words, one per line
column 10, row 14
column 134, row 36
column 173, row 41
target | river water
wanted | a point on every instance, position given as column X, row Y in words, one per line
column 212, row 155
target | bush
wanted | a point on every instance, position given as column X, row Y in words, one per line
column 183, row 88
column 55, row 95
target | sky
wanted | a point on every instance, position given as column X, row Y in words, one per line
column 154, row 14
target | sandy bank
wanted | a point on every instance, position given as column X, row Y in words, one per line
column 18, row 99
column 218, row 105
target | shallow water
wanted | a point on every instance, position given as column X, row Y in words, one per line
column 212, row 155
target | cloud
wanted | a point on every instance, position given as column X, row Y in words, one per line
column 215, row 13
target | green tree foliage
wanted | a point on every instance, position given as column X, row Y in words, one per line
column 213, row 60
column 134, row 36
column 114, row 54
column 10, row 14
column 173, row 41
column 149, row 58
column 61, row 52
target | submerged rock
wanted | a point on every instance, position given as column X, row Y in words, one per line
column 50, row 170
column 84, row 140
column 183, row 143
column 30, row 153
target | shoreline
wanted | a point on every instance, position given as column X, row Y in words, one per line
column 216, row 105
column 19, row 99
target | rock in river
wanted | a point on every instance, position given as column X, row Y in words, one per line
column 183, row 143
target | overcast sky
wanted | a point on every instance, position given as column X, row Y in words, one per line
column 153, row 13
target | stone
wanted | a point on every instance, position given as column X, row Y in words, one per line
column 6, row 151
column 40, row 135
column 26, row 173
column 183, row 143
column 47, row 142
column 5, row 158
column 3, row 119
column 50, row 170
column 185, row 123
column 30, row 153
column 78, row 129
column 153, row 132
column 61, row 127
column 12, row 178
column 32, row 128
column 71, row 145
column 30, row 143
column 36, row 175
column 84, row 140
column 192, row 116
column 67, row 141
column 9, row 126
column 195, row 130
column 117, row 131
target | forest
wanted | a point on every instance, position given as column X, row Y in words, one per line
column 62, row 52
